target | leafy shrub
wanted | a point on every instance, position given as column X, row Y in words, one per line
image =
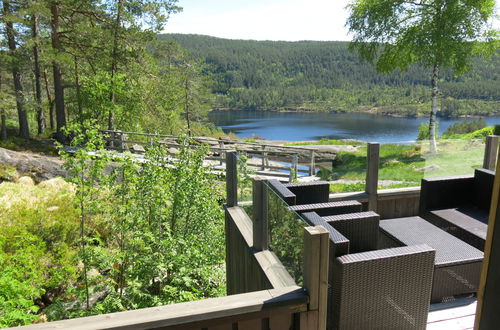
column 37, row 226
column 464, row 127
column 496, row 130
column 480, row 134
column 162, row 238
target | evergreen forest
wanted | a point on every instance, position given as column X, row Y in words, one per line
column 326, row 76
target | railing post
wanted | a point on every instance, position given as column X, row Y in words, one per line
column 259, row 214
column 316, row 260
column 263, row 160
column 313, row 164
column 372, row 174
column 121, row 141
column 293, row 168
column 221, row 152
column 490, row 152
column 231, row 179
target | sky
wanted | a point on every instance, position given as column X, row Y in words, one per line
column 289, row 20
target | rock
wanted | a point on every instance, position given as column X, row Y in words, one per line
column 138, row 148
column 26, row 180
column 39, row 167
column 173, row 151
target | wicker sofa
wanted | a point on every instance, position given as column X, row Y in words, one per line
column 459, row 205
column 370, row 288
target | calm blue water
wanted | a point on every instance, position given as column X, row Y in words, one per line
column 292, row 126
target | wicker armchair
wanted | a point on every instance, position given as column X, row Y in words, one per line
column 380, row 289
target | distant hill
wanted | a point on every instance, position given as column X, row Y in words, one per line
column 325, row 76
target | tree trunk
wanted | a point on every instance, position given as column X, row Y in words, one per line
column 3, row 127
column 16, row 74
column 188, row 122
column 78, row 90
column 40, row 116
column 49, row 99
column 432, row 119
column 56, row 68
column 114, row 61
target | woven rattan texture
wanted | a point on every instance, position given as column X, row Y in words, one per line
column 330, row 208
column 282, row 191
column 384, row 289
column 458, row 264
column 415, row 230
column 361, row 228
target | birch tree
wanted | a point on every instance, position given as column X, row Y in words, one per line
column 438, row 34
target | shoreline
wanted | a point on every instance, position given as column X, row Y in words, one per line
column 368, row 111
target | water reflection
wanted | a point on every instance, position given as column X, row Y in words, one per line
column 297, row 126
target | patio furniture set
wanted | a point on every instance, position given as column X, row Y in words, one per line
column 384, row 273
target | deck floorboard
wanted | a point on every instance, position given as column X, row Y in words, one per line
column 458, row 314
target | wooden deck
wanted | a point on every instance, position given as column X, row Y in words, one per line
column 453, row 315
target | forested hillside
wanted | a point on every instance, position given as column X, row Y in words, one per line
column 326, row 76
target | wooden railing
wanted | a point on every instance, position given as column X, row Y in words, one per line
column 135, row 142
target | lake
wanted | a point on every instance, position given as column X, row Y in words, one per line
column 303, row 126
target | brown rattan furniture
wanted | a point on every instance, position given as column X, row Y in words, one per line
column 459, row 205
column 380, row 289
column 312, row 197
column 302, row 193
column 457, row 266
column 330, row 208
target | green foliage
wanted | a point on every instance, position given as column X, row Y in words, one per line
column 244, row 178
column 480, row 134
column 286, row 233
column 423, row 131
column 8, row 173
column 162, row 239
column 37, row 239
column 433, row 33
column 465, row 127
column 496, row 130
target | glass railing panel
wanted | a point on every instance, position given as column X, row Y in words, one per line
column 452, row 157
column 286, row 235
column 244, row 179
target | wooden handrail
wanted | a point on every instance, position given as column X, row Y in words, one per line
column 202, row 313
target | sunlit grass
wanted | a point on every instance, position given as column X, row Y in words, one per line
column 410, row 163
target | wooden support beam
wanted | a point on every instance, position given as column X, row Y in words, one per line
column 488, row 297
column 490, row 152
column 231, row 179
column 316, row 242
column 373, row 159
column 260, row 224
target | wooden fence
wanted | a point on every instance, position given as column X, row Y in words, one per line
column 268, row 154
